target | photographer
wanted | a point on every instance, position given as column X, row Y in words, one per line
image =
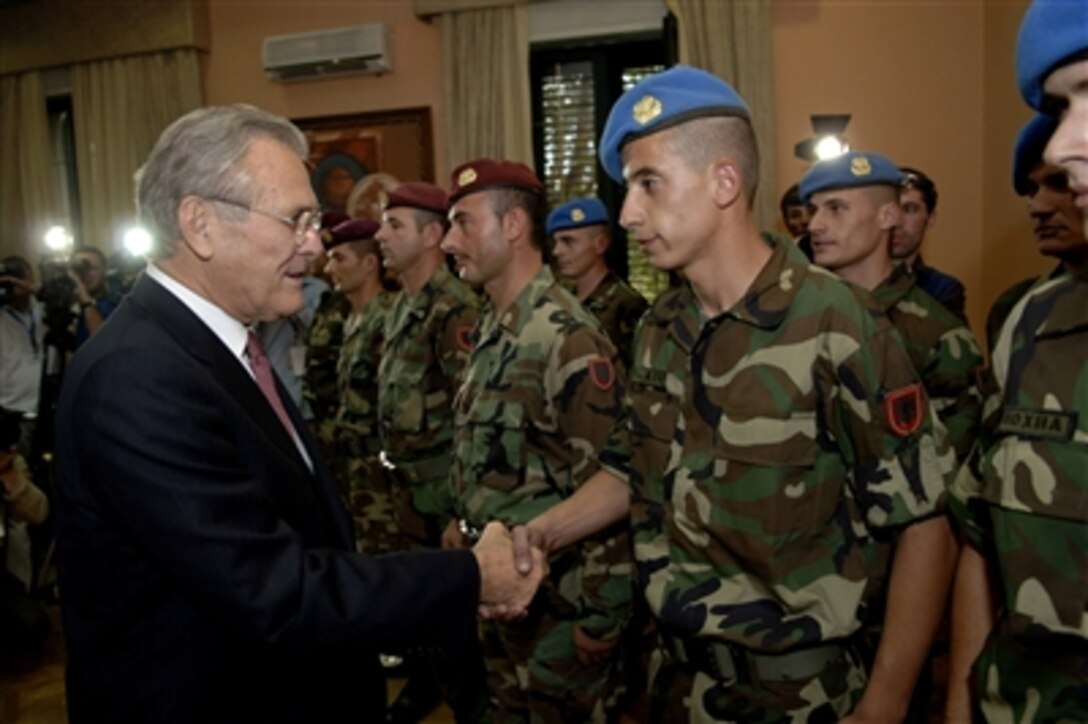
column 22, row 332
column 24, row 624
column 88, row 271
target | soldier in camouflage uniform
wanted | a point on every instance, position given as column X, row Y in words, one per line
column 855, row 202
column 1057, row 223
column 541, row 391
column 323, row 350
column 1021, row 597
column 428, row 336
column 579, row 233
column 355, row 268
column 776, row 430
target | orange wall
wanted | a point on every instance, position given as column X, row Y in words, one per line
column 930, row 85
column 233, row 71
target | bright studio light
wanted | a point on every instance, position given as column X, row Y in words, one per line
column 830, row 147
column 58, row 238
column 137, row 241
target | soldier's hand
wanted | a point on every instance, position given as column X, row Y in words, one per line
column 527, row 540
column 452, row 537
column 591, row 650
column 504, row 592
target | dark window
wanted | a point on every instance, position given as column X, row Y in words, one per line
column 574, row 86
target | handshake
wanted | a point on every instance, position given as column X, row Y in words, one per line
column 512, row 565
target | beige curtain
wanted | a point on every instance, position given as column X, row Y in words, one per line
column 488, row 111
column 120, row 107
column 27, row 200
column 732, row 39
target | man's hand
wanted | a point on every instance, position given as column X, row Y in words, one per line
column 527, row 540
column 591, row 650
column 452, row 537
column 81, row 294
column 504, row 592
column 27, row 285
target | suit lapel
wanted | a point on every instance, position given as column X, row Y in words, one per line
column 198, row 340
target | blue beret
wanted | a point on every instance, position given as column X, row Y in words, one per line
column 849, row 170
column 660, row 101
column 1052, row 32
column 1030, row 145
column 576, row 214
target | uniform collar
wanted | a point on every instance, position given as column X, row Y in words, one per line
column 514, row 318
column 893, row 289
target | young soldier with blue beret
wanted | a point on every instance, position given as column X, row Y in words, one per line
column 1057, row 223
column 855, row 202
column 776, row 429
column 580, row 238
column 1020, row 628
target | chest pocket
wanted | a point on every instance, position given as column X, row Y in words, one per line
column 497, row 434
column 655, row 416
column 406, row 401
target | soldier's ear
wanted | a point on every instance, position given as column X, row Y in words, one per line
column 432, row 234
column 725, row 182
column 890, row 215
column 515, row 224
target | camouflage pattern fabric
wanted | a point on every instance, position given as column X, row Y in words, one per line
column 943, row 352
column 427, row 341
column 1025, row 489
column 683, row 694
column 541, row 392
column 322, row 355
column 766, row 450
column 618, row 307
column 365, row 481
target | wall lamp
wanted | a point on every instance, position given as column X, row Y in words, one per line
column 827, row 138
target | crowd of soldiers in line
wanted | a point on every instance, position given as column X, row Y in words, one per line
column 754, row 503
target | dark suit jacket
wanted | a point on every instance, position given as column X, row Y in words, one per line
column 205, row 571
column 945, row 288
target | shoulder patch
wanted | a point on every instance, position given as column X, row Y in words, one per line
column 904, row 410
column 464, row 337
column 602, row 373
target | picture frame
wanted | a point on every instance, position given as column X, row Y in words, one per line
column 355, row 159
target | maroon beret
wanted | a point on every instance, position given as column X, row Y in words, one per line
column 485, row 173
column 352, row 230
column 418, row 195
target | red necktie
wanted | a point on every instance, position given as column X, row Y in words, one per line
column 262, row 372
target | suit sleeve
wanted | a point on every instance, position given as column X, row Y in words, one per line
column 177, row 464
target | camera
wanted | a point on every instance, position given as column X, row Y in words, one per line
column 58, row 290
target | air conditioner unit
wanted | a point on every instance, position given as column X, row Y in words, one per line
column 323, row 53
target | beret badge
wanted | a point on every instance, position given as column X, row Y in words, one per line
column 577, row 215
column 860, row 166
column 467, row 176
column 646, row 110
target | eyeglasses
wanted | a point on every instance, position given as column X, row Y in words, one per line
column 302, row 222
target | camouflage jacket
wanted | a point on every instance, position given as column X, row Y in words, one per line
column 427, row 340
column 1026, row 485
column 618, row 307
column 322, row 355
column 541, row 392
column 943, row 352
column 766, row 448
column 357, row 378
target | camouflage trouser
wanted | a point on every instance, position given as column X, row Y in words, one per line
column 370, row 500
column 534, row 673
column 1046, row 682
column 681, row 693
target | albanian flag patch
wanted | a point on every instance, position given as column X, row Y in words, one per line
column 904, row 409
column 602, row 373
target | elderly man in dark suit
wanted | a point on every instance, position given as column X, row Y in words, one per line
column 206, row 563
